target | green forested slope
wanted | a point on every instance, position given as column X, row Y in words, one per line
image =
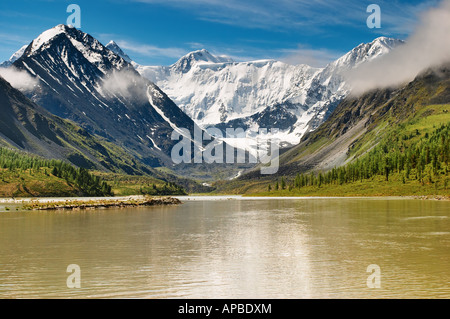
column 25, row 175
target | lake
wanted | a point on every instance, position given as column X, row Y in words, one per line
column 230, row 247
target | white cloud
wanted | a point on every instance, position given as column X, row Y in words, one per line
column 428, row 46
column 19, row 79
column 126, row 83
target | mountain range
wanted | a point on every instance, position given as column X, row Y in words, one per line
column 94, row 106
column 216, row 91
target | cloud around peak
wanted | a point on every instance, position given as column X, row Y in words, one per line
column 427, row 47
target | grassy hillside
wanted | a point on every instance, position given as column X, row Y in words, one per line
column 376, row 186
column 25, row 175
column 125, row 185
column 407, row 162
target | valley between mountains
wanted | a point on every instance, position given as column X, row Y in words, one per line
column 82, row 118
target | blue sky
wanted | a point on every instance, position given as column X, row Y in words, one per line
column 158, row 32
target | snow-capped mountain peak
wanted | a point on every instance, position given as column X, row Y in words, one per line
column 366, row 52
column 18, row 54
column 67, row 39
column 390, row 43
column 258, row 94
column 82, row 80
column 48, row 35
column 14, row 57
column 184, row 64
column 114, row 47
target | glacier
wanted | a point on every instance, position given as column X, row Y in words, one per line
column 216, row 91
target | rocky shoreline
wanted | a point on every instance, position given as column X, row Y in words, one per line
column 433, row 197
column 101, row 204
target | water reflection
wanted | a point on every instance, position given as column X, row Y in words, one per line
column 268, row 248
